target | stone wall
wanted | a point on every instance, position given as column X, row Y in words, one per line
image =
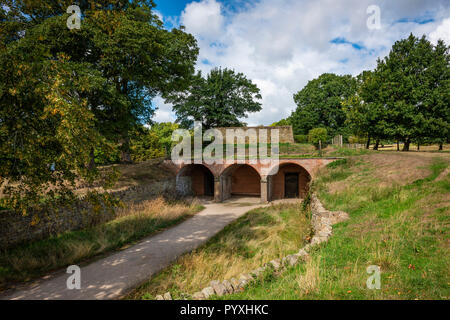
column 16, row 228
column 286, row 134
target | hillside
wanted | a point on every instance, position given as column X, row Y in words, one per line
column 399, row 216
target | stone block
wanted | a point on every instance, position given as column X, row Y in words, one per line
column 227, row 284
column 235, row 283
column 276, row 263
column 167, row 296
column 198, row 296
column 207, row 292
column 218, row 287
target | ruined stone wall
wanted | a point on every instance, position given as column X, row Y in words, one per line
column 285, row 133
column 16, row 228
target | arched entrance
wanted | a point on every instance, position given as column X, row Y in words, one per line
column 291, row 181
column 195, row 179
column 240, row 180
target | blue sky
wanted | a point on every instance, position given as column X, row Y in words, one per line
column 171, row 7
column 282, row 44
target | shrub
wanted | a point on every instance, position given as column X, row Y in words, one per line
column 301, row 138
column 318, row 134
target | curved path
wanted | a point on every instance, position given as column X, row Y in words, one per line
column 113, row 276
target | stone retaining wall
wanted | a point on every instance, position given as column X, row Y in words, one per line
column 16, row 228
column 321, row 221
column 285, row 133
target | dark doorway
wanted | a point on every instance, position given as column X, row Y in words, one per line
column 291, row 185
column 209, row 183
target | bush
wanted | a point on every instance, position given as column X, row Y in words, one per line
column 301, row 138
column 318, row 134
column 357, row 139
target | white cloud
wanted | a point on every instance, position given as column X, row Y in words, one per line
column 203, row 19
column 164, row 112
column 441, row 32
column 283, row 44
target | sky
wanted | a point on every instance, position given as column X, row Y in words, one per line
column 282, row 44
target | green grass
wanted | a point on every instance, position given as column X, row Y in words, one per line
column 339, row 152
column 254, row 239
column 402, row 229
column 31, row 260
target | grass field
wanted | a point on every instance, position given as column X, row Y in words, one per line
column 256, row 238
column 399, row 206
column 133, row 223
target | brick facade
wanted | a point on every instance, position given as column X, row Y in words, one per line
column 248, row 178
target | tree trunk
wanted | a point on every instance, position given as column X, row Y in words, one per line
column 91, row 164
column 368, row 143
column 441, row 147
column 406, row 145
column 377, row 143
column 418, row 146
column 125, row 156
column 398, row 145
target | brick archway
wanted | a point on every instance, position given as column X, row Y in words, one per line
column 306, row 167
column 239, row 179
column 195, row 179
column 279, row 177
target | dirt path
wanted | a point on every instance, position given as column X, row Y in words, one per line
column 115, row 275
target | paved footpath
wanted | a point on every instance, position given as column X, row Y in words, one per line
column 117, row 274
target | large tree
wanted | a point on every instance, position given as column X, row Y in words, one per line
column 366, row 116
column 319, row 104
column 414, row 90
column 218, row 100
column 64, row 91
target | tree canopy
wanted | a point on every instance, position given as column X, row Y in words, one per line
column 63, row 92
column 407, row 96
column 218, row 100
column 319, row 104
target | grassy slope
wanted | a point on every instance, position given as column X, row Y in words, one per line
column 259, row 236
column 399, row 221
column 135, row 222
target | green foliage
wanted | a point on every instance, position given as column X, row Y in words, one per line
column 301, row 138
column 164, row 132
column 282, row 122
column 145, row 145
column 357, row 139
column 337, row 163
column 406, row 97
column 218, row 100
column 150, row 143
column 67, row 96
column 319, row 104
column 316, row 135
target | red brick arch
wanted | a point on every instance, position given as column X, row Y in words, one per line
column 266, row 172
column 277, row 178
column 240, row 179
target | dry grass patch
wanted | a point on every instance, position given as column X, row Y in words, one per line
column 309, row 280
column 132, row 223
column 261, row 235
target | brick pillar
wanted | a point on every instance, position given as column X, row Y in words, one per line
column 264, row 190
column 217, row 190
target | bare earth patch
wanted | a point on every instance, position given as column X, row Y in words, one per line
column 391, row 169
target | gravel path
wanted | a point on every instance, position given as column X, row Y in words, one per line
column 113, row 276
